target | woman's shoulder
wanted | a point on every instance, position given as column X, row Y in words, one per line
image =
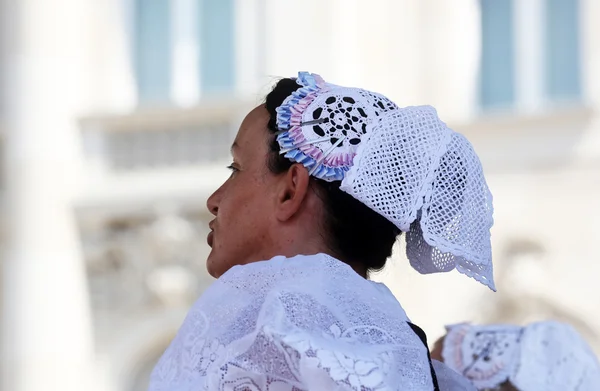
column 303, row 314
column 319, row 275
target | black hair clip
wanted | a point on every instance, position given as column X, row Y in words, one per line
column 313, row 122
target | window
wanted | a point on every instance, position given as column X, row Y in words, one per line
column 217, row 50
column 152, row 50
column 562, row 50
column 497, row 62
column 183, row 50
column 530, row 53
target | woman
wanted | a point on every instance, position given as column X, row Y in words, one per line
column 324, row 178
column 547, row 356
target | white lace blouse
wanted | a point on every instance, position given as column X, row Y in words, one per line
column 298, row 324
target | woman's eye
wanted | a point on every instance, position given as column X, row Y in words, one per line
column 232, row 168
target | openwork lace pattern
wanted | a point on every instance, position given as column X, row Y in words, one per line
column 322, row 124
column 302, row 323
column 429, row 182
column 541, row 356
column 404, row 163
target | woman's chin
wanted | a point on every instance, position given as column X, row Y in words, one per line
column 211, row 265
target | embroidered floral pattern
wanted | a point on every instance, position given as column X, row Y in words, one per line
column 210, row 353
column 361, row 371
column 322, row 125
column 357, row 373
column 486, row 355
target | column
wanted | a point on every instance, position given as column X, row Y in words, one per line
column 450, row 42
column 346, row 53
column 47, row 340
column 113, row 55
column 250, row 48
column 590, row 47
column 293, row 43
column 391, row 49
column 529, row 43
column 588, row 149
column 185, row 78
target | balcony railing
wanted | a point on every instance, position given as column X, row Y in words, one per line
column 159, row 139
column 133, row 161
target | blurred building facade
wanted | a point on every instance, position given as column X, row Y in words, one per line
column 116, row 120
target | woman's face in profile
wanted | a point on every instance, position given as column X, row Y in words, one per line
column 242, row 205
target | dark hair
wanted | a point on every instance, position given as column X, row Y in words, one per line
column 352, row 231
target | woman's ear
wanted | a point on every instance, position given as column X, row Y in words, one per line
column 292, row 192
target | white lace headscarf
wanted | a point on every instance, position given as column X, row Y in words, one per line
column 403, row 163
column 547, row 356
column 308, row 323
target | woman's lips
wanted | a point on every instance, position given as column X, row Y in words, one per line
column 209, row 238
